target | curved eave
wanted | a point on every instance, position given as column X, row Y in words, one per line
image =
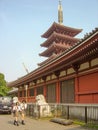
column 52, row 49
column 48, row 52
column 69, row 30
column 55, row 36
column 63, row 47
column 47, row 60
column 15, row 90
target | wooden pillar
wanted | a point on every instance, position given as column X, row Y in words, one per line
column 35, row 91
column 76, row 89
column 44, row 89
column 57, row 73
column 26, row 91
column 22, row 92
column 76, row 68
column 28, row 94
column 58, row 91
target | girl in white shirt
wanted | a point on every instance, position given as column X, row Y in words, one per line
column 23, row 107
column 16, row 110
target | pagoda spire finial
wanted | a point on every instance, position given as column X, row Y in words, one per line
column 60, row 13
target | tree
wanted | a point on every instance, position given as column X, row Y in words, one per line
column 3, row 87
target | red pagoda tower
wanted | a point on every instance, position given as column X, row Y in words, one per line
column 59, row 38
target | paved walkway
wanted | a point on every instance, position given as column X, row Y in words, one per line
column 47, row 125
column 6, row 123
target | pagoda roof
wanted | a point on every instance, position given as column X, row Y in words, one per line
column 61, row 28
column 55, row 37
column 54, row 49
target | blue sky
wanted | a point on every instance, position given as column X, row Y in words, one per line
column 22, row 22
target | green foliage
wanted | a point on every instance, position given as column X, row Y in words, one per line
column 88, row 125
column 79, row 122
column 3, row 87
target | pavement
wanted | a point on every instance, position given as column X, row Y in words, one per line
column 6, row 123
column 47, row 125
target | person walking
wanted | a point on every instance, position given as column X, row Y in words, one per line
column 16, row 110
column 23, row 107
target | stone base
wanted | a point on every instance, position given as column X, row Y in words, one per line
column 62, row 121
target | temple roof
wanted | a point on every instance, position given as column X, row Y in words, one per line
column 48, row 60
column 54, row 48
column 61, row 29
column 56, row 37
column 84, row 49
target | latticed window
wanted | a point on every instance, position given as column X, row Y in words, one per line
column 32, row 92
column 39, row 90
column 67, row 91
column 51, row 93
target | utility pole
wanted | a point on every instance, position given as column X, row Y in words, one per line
column 25, row 68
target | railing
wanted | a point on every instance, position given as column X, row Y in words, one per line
column 82, row 112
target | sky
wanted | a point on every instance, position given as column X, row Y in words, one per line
column 22, row 22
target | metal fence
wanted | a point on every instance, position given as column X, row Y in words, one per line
column 82, row 112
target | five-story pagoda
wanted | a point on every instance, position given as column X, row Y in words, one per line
column 59, row 38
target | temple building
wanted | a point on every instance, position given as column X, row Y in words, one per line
column 70, row 72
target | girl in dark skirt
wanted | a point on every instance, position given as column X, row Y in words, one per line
column 16, row 110
column 23, row 107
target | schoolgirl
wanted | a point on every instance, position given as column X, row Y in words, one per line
column 23, row 107
column 16, row 110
